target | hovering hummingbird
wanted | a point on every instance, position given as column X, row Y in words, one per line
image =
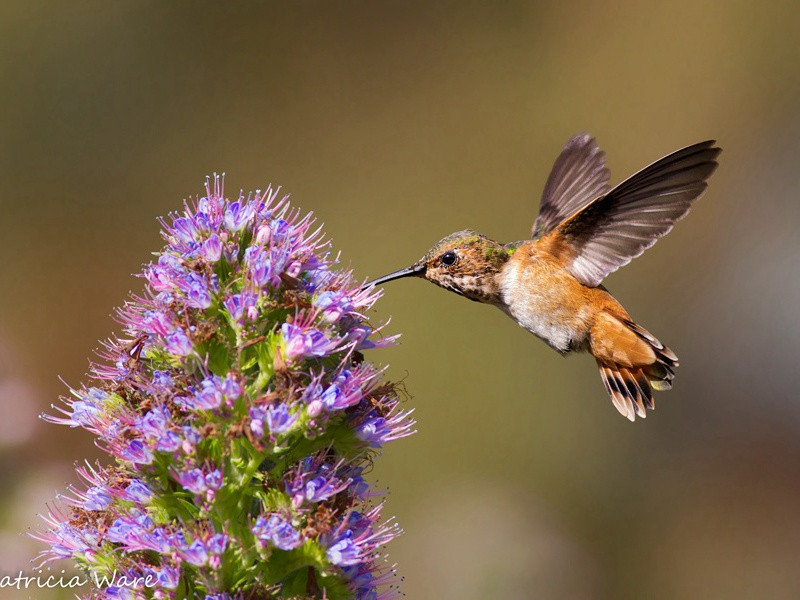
column 551, row 284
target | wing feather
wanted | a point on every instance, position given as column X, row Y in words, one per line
column 578, row 176
column 617, row 227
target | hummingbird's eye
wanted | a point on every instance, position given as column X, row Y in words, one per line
column 449, row 258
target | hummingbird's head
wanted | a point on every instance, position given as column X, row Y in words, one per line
column 465, row 262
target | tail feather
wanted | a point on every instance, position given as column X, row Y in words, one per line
column 637, row 383
column 661, row 373
column 628, row 388
column 631, row 387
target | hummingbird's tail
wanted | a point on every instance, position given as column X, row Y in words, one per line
column 632, row 364
column 660, row 373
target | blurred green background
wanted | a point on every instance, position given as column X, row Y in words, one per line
column 397, row 123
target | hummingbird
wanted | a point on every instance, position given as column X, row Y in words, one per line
column 551, row 284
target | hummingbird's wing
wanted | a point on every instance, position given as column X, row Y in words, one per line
column 619, row 226
column 579, row 175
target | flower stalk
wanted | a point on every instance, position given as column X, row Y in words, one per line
column 241, row 415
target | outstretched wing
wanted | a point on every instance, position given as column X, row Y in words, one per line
column 619, row 226
column 579, row 176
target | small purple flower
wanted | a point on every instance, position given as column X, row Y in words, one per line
column 157, row 323
column 217, row 543
column 359, row 337
column 122, row 368
column 374, row 431
column 65, row 540
column 154, row 423
column 259, row 266
column 345, row 391
column 168, row 577
column 314, row 481
column 294, row 268
column 197, row 290
column 319, row 275
column 230, row 251
column 191, row 437
column 84, row 413
column 344, row 552
column 232, row 387
column 195, row 554
column 300, row 343
column 278, row 531
column 160, row 278
column 168, row 442
column 333, row 305
column 137, row 491
column 162, row 381
column 178, row 343
column 278, row 260
column 237, row 215
column 280, row 229
column 294, row 341
column 137, row 452
column 377, row 430
column 263, row 235
column 321, row 488
column 211, row 249
column 185, row 230
column 278, row 419
column 115, row 592
column 361, row 577
column 157, row 540
column 122, row 530
column 358, row 487
column 193, row 480
column 258, row 415
column 316, row 344
column 208, row 397
column 241, row 306
column 163, row 275
column 210, row 209
column 88, row 412
column 97, row 498
column 213, row 480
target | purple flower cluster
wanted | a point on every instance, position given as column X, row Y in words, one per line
column 241, row 413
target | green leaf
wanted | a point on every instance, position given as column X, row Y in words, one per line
column 219, row 359
column 265, row 357
column 282, row 563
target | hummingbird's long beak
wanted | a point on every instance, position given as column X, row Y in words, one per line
column 412, row 271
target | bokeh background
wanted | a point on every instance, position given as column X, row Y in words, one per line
column 397, row 123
